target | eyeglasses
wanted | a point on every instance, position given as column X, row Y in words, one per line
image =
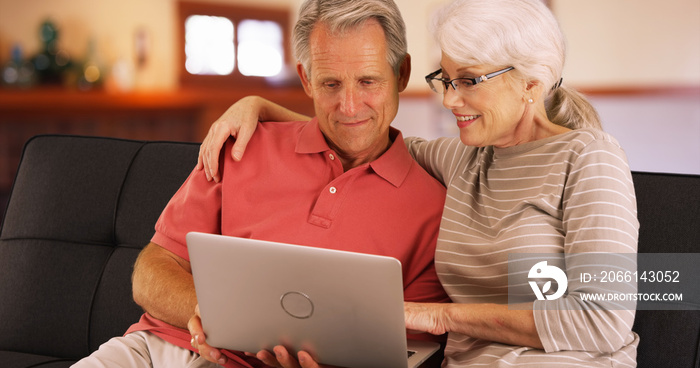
column 458, row 84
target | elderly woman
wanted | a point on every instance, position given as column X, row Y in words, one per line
column 531, row 172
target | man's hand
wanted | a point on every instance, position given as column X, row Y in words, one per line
column 199, row 340
column 280, row 357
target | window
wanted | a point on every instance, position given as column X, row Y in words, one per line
column 260, row 48
column 209, row 45
column 225, row 45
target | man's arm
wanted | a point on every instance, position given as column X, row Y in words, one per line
column 163, row 285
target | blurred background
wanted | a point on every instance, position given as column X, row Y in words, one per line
column 166, row 69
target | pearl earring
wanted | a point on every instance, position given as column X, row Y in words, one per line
column 530, row 101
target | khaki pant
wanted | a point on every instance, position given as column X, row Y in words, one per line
column 142, row 349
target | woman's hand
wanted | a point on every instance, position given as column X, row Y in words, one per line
column 239, row 121
column 492, row 322
column 199, row 342
column 425, row 317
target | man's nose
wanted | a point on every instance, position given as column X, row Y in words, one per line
column 350, row 100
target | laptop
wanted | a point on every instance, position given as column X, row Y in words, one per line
column 344, row 308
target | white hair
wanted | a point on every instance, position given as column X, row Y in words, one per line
column 520, row 33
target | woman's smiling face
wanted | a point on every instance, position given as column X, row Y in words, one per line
column 491, row 113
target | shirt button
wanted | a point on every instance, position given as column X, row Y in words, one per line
column 331, row 156
column 333, row 190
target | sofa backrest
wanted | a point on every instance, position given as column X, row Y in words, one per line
column 668, row 209
column 80, row 210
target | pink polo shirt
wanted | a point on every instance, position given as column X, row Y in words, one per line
column 291, row 188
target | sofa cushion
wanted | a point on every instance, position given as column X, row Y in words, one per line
column 668, row 209
column 12, row 359
column 80, row 211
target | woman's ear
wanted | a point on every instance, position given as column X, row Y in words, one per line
column 533, row 89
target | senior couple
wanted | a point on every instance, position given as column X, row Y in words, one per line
column 531, row 172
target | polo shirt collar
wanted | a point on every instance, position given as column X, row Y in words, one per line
column 393, row 166
column 311, row 140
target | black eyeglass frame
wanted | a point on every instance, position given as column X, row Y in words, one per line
column 431, row 77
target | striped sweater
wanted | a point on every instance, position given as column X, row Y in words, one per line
column 566, row 194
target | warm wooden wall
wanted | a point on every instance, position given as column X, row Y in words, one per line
column 183, row 115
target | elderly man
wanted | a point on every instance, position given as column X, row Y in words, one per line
column 344, row 181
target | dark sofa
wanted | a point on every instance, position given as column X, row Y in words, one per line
column 82, row 208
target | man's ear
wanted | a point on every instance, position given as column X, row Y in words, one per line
column 304, row 79
column 404, row 73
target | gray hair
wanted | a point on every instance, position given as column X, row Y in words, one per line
column 519, row 33
column 343, row 15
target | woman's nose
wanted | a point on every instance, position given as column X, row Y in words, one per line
column 452, row 98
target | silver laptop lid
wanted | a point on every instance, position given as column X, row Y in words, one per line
column 344, row 308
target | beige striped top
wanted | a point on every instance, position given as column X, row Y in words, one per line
column 566, row 194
